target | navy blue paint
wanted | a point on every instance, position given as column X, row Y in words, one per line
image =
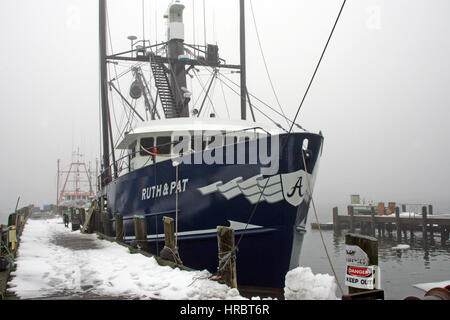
column 264, row 255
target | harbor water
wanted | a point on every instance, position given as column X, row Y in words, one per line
column 400, row 268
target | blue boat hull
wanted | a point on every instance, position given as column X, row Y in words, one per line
column 221, row 194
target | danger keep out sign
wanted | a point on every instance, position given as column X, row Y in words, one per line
column 363, row 277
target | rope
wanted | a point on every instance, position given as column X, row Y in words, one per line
column 318, row 64
column 175, row 255
column 318, row 224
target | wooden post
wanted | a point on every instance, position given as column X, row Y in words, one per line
column 424, row 223
column 389, row 228
column 119, row 227
column 372, row 221
column 3, row 235
column 398, row 224
column 403, row 207
column 352, row 218
column 170, row 250
column 82, row 216
column 227, row 256
column 169, row 232
column 106, row 224
column 140, row 231
column 412, row 226
column 336, row 226
column 12, row 219
column 12, row 238
column 430, row 213
column 443, row 235
column 369, row 245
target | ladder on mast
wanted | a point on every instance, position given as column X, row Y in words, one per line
column 164, row 90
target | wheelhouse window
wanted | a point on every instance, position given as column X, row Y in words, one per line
column 163, row 145
column 147, row 144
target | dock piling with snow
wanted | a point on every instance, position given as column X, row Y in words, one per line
column 425, row 222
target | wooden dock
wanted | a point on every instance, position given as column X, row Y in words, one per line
column 428, row 224
column 9, row 243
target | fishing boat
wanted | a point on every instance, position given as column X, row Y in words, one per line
column 181, row 162
column 77, row 184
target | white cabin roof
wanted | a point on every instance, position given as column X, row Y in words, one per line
column 167, row 126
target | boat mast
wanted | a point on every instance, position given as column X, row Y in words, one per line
column 243, row 63
column 175, row 52
column 106, row 174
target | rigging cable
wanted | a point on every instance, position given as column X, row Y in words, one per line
column 204, row 22
column 318, row 64
column 143, row 22
column 265, row 62
column 318, row 224
column 224, row 97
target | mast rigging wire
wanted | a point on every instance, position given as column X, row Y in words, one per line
column 318, row 65
column 265, row 63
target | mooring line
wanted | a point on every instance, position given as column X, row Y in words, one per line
column 318, row 224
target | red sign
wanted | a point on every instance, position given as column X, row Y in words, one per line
column 359, row 271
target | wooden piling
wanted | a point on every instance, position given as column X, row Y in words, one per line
column 372, row 221
column 403, row 207
column 412, row 227
column 119, row 227
column 336, row 226
column 3, row 235
column 369, row 245
column 82, row 216
column 398, row 224
column 430, row 210
column 140, row 230
column 106, row 224
column 12, row 219
column 352, row 218
column 424, row 222
column 170, row 250
column 227, row 256
column 13, row 238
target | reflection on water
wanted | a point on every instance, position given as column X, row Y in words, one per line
column 423, row 262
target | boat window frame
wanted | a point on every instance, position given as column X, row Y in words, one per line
column 143, row 153
column 164, row 145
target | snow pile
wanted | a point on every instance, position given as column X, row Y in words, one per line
column 46, row 268
column 401, row 247
column 302, row 284
column 428, row 286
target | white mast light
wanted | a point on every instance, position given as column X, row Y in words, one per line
column 175, row 23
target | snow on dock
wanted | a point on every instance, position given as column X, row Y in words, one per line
column 54, row 262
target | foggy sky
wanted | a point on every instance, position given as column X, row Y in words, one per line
column 381, row 96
